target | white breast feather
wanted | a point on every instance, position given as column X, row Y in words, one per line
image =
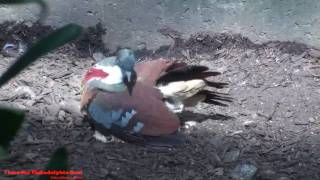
column 114, row 74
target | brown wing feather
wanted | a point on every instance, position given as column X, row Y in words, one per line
column 150, row 71
column 151, row 110
column 165, row 70
column 86, row 96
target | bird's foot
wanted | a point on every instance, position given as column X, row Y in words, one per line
column 100, row 137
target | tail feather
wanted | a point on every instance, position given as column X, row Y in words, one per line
column 187, row 73
column 209, row 101
column 177, row 83
column 208, row 97
column 213, row 95
column 216, row 84
column 215, row 98
column 189, row 69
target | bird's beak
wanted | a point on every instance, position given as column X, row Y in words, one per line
column 130, row 80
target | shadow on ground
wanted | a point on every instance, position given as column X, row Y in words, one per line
column 272, row 125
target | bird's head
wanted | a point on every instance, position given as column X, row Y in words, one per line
column 114, row 73
column 126, row 61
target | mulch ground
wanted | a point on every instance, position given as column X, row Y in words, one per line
column 273, row 124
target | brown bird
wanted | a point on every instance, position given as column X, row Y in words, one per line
column 138, row 102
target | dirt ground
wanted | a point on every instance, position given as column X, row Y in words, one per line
column 271, row 128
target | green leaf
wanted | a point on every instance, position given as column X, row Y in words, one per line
column 11, row 121
column 3, row 152
column 41, row 3
column 54, row 40
column 58, row 161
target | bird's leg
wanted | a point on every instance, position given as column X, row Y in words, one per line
column 175, row 106
column 100, row 137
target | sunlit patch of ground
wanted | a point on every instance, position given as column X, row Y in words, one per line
column 272, row 125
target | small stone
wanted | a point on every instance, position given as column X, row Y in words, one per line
column 47, row 100
column 186, row 53
column 53, row 109
column 244, row 172
column 289, row 114
column 29, row 24
column 69, row 119
column 219, row 171
column 314, row 53
column 190, row 124
column 49, row 118
column 24, row 92
column 210, row 169
column 224, row 69
column 97, row 56
column 31, row 156
column 268, row 174
column 30, row 139
column 104, row 171
column 249, row 124
column 200, row 38
column 236, row 133
column 283, row 178
column 232, row 155
column 242, row 100
column 312, row 120
column 313, row 70
column 254, row 115
column 51, row 84
column 61, row 115
column 72, row 107
column 142, row 45
column 78, row 122
column 10, row 49
column 21, row 107
column 204, row 63
column 30, row 103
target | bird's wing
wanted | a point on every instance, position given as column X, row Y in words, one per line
column 141, row 113
column 182, row 89
column 177, row 79
column 165, row 71
column 150, row 71
column 183, row 72
column 86, row 96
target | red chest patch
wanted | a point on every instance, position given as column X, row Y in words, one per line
column 93, row 72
